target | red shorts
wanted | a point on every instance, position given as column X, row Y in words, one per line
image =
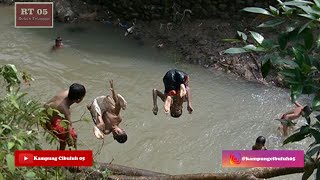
column 60, row 131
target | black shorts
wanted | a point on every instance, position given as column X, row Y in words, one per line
column 172, row 80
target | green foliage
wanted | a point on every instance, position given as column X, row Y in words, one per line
column 295, row 55
column 19, row 122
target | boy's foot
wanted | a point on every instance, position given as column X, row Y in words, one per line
column 97, row 132
column 123, row 102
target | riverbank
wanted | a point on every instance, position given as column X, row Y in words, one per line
column 198, row 41
column 202, row 42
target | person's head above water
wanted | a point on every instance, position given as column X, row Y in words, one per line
column 306, row 111
column 59, row 42
column 76, row 92
column 260, row 142
column 119, row 135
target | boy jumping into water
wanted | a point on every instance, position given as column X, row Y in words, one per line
column 287, row 118
column 176, row 92
column 105, row 112
column 62, row 102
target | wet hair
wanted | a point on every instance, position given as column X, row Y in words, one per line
column 261, row 140
column 76, row 91
column 176, row 114
column 121, row 138
column 58, row 39
column 307, row 110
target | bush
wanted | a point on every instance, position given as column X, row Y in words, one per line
column 295, row 56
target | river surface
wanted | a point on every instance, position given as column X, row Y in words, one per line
column 229, row 113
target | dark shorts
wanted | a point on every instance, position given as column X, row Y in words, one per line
column 285, row 122
column 172, row 80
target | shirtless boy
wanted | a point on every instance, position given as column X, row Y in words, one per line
column 105, row 112
column 287, row 118
column 62, row 102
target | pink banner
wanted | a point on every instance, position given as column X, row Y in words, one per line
column 262, row 158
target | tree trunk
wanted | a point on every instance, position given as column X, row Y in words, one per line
column 129, row 171
column 123, row 172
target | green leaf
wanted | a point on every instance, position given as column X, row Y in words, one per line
column 2, row 154
column 37, row 147
column 316, row 102
column 265, row 68
column 309, row 16
column 304, row 131
column 317, row 2
column 257, row 10
column 313, row 150
column 307, row 173
column 231, row 40
column 10, row 162
column 14, row 103
column 274, row 10
column 271, row 23
column 297, row 3
column 296, row 91
column 10, row 145
column 30, row 174
column 1, row 176
column 6, row 127
column 235, row 51
column 250, row 47
column 316, row 134
column 258, row 37
column 318, row 41
column 291, row 63
column 298, row 55
column 318, row 173
column 283, row 40
column 308, row 39
column 304, row 26
column 242, row 35
column 288, row 73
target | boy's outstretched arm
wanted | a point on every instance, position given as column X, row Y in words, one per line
column 297, row 104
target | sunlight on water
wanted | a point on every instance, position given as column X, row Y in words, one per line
column 228, row 113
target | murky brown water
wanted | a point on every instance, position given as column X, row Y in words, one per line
column 228, row 113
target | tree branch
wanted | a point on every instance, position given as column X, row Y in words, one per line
column 123, row 172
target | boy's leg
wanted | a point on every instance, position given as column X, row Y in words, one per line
column 155, row 94
column 62, row 145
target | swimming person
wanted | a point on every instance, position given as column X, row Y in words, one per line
column 176, row 92
column 62, row 102
column 288, row 117
column 105, row 113
column 260, row 144
column 58, row 44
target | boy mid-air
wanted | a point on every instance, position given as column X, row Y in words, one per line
column 105, row 113
column 288, row 117
column 176, row 92
column 62, row 102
